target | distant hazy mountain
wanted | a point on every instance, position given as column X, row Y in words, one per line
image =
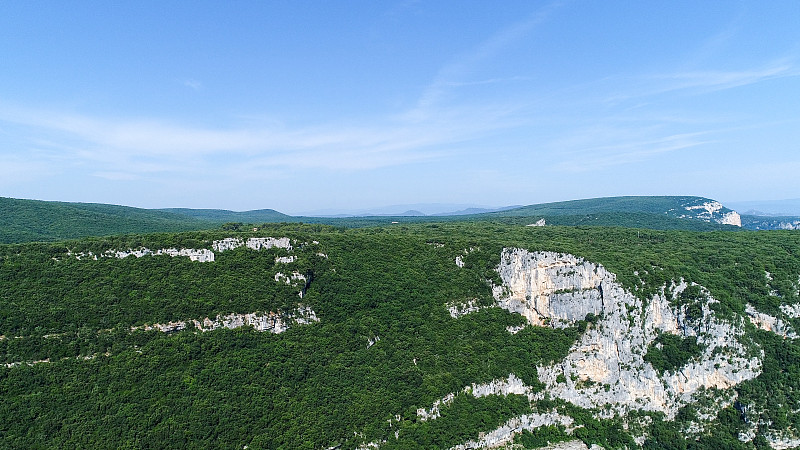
column 414, row 209
column 789, row 207
column 470, row 211
column 222, row 215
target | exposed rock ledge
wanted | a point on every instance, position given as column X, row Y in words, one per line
column 272, row 322
column 201, row 254
column 771, row 323
column 529, row 422
column 510, row 385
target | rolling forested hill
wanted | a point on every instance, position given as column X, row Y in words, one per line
column 223, row 216
column 33, row 220
column 406, row 336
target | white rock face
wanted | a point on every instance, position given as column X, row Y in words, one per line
column 605, row 368
column 272, row 322
column 538, row 223
column 782, row 442
column 792, row 311
column 201, row 254
column 730, row 218
column 771, row 323
column 549, row 289
column 252, row 243
column 465, row 252
column 460, row 309
column 291, row 279
column 504, row 434
column 791, row 225
column 510, row 385
column 28, row 363
column 711, row 212
column 572, row 445
column 504, row 386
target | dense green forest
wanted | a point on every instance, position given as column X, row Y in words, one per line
column 384, row 347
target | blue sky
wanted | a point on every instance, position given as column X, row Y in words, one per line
column 304, row 105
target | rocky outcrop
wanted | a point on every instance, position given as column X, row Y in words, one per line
column 770, row 323
column 458, row 309
column 572, row 445
column 252, row 243
column 789, row 225
column 506, row 386
column 792, row 311
column 713, row 211
column 605, row 369
column 291, row 279
column 464, row 253
column 201, row 254
column 549, row 289
column 271, row 322
column 505, row 433
column 783, row 441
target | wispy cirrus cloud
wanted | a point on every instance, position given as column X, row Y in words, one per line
column 452, row 74
column 720, row 80
column 696, row 82
column 143, row 146
column 192, row 84
column 592, row 152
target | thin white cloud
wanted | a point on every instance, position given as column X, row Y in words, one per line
column 487, row 81
column 192, row 84
column 16, row 169
column 698, row 81
column 720, row 80
column 451, row 74
column 603, row 147
column 117, row 176
column 135, row 147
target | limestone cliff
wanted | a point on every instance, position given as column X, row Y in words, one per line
column 713, row 211
column 606, row 367
column 605, row 370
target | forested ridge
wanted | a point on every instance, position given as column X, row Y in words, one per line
column 46, row 221
column 385, row 344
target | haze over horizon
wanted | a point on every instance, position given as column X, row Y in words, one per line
column 310, row 106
